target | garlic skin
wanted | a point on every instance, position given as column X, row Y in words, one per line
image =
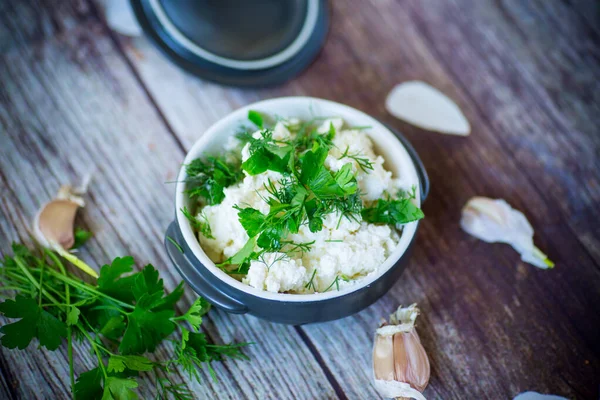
column 421, row 104
column 53, row 224
column 401, row 367
column 494, row 220
column 537, row 396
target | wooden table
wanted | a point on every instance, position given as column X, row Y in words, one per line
column 76, row 97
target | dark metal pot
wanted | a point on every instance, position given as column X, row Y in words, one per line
column 296, row 311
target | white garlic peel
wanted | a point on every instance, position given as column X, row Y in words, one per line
column 494, row 220
column 400, row 365
column 53, row 225
column 421, row 104
column 537, row 396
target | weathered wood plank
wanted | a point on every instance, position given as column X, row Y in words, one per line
column 489, row 321
column 541, row 62
column 70, row 106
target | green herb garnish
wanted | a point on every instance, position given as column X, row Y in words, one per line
column 256, row 118
column 81, row 237
column 307, row 192
column 206, row 178
column 393, row 212
column 199, row 223
column 363, row 162
column 124, row 318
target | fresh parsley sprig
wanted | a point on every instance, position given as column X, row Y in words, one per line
column 393, row 211
column 124, row 318
column 207, row 177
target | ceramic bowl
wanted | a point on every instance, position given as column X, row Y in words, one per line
column 231, row 295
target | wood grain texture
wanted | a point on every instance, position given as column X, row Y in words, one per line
column 61, row 119
column 526, row 75
column 486, row 315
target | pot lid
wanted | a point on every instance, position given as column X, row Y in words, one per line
column 242, row 43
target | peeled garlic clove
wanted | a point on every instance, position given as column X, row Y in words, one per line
column 383, row 358
column 53, row 225
column 423, row 105
column 496, row 221
column 400, row 365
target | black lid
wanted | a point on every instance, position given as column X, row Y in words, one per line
column 237, row 42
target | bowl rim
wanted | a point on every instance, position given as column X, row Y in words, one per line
column 308, row 27
column 298, row 102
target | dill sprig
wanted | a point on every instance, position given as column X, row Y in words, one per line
column 363, row 162
column 199, row 223
column 311, row 283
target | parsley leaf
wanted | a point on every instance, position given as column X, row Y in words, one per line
column 267, row 154
column 89, row 384
column 392, row 212
column 111, row 283
column 251, row 219
column 34, row 323
column 118, row 363
column 73, row 315
column 194, row 315
column 345, row 178
column 256, row 118
column 119, row 389
column 206, row 178
column 264, row 159
column 317, row 177
column 145, row 330
column 81, row 236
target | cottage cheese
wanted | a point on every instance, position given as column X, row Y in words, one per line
column 352, row 250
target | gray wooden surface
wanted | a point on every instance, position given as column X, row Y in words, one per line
column 75, row 97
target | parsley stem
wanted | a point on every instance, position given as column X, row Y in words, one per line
column 17, row 288
column 35, row 283
column 95, row 347
column 89, row 289
column 69, row 328
column 41, row 281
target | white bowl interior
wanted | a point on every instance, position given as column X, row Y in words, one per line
column 386, row 144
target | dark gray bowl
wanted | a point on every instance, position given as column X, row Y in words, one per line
column 232, row 296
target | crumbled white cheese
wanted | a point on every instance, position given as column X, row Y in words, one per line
column 343, row 251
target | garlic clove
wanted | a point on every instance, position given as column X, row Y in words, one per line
column 401, row 367
column 421, row 104
column 412, row 363
column 383, row 358
column 53, row 225
column 494, row 220
column 537, row 396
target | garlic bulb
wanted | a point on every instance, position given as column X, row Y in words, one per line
column 496, row 221
column 421, row 104
column 400, row 365
column 53, row 225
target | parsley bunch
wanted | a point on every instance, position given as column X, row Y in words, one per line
column 123, row 318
